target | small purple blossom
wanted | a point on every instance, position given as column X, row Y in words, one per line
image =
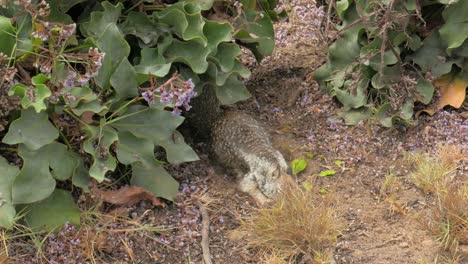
column 148, row 97
column 176, row 92
column 70, row 79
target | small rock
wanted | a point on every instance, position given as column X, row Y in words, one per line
column 403, row 245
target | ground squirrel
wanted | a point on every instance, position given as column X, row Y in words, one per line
column 240, row 144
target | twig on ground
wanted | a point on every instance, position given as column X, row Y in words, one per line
column 205, row 243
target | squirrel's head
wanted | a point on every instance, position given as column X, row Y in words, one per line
column 273, row 179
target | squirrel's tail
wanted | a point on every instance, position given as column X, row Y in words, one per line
column 206, row 109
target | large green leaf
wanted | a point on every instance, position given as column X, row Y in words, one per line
column 102, row 27
column 219, row 77
column 355, row 99
column 111, row 42
column 152, row 63
column 232, row 91
column 185, row 20
column 430, row 53
column 132, row 149
column 99, row 21
column 153, row 124
column 34, row 182
column 141, row 26
column 155, row 179
column 52, row 212
column 226, row 56
column 455, row 31
column 354, row 116
column 217, row 33
column 177, row 150
column 124, row 80
column 256, row 33
column 98, row 146
column 425, row 91
column 191, row 53
column 32, row 129
column 81, row 176
column 7, row 210
column 62, row 161
column 7, row 36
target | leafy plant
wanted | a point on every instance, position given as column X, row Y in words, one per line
column 105, row 87
column 387, row 54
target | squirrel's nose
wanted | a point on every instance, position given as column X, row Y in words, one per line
column 289, row 171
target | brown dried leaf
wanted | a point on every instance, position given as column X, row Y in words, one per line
column 128, row 195
column 452, row 90
column 87, row 117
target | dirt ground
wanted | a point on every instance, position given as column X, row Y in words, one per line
column 302, row 120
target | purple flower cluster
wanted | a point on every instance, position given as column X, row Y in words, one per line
column 92, row 70
column 179, row 93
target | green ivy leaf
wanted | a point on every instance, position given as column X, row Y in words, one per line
column 384, row 115
column 425, row 90
column 217, row 33
column 256, row 32
column 153, row 124
column 298, row 165
column 220, row 77
column 226, row 56
column 232, row 91
column 191, row 53
column 342, row 6
column 32, row 97
column 32, row 129
column 327, row 173
column 204, row 4
column 124, row 80
column 81, row 175
column 132, row 149
column 34, row 182
column 52, row 212
column 141, row 26
column 93, row 106
column 454, row 31
column 7, row 177
column 177, row 150
column 354, row 116
column 152, row 63
column 62, row 162
column 111, row 42
column 7, row 36
column 430, row 53
column 99, row 21
column 155, row 179
column 185, row 20
column 97, row 145
column 354, row 99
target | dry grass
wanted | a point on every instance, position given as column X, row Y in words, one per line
column 389, row 194
column 98, row 235
column 298, row 223
column 448, row 219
